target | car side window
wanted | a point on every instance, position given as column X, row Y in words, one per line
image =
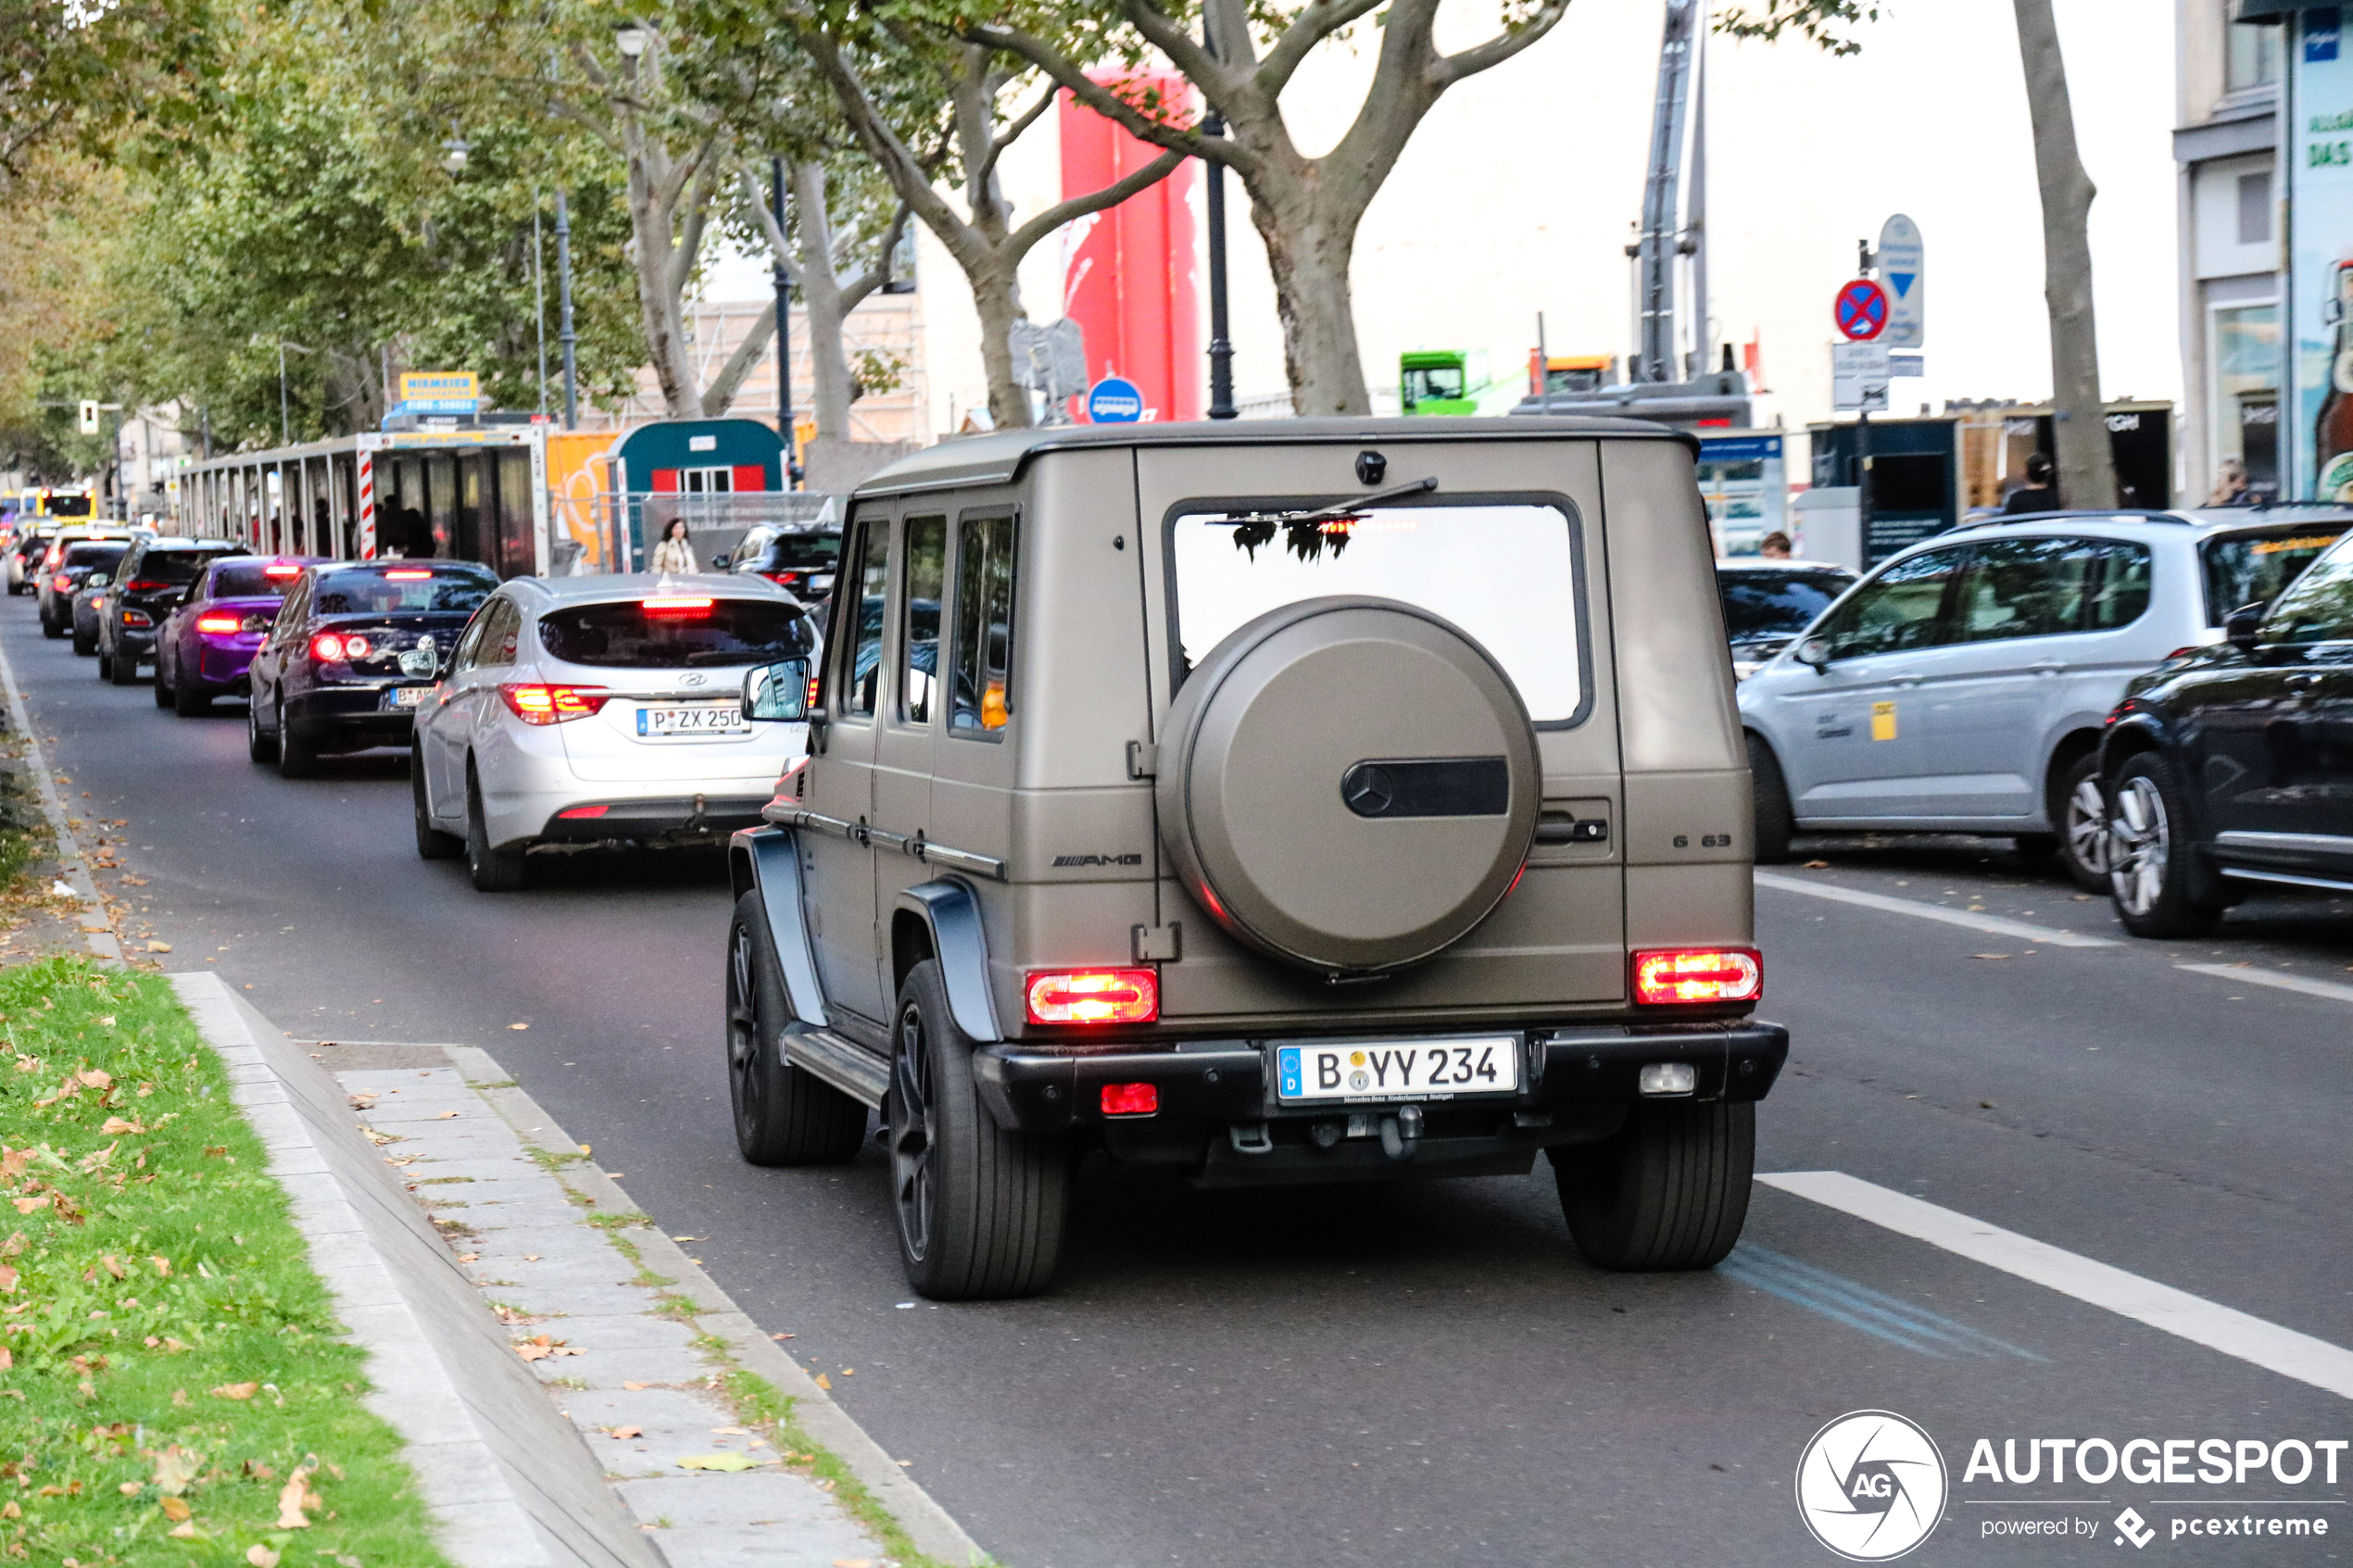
column 2025, row 588
column 2122, row 593
column 863, row 617
column 980, row 680
column 922, row 582
column 502, row 626
column 1900, row 609
column 292, row 613
column 2315, row 616
column 470, row 642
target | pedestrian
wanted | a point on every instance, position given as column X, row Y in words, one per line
column 2230, row 485
column 1774, row 545
column 2038, row 494
column 676, row 551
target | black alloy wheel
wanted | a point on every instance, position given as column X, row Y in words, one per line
column 980, row 1209
column 2080, row 812
column 1668, row 1191
column 1776, row 824
column 259, row 745
column 2154, row 877
column 297, row 758
column 492, row 870
column 785, row 1114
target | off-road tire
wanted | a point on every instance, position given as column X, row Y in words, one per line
column 492, row 870
column 980, row 1209
column 1776, row 822
column 259, row 746
column 1669, row 1190
column 298, row 758
column 431, row 843
column 2159, row 884
column 785, row 1114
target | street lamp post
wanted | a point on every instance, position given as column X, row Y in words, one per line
column 563, row 308
column 286, row 437
column 783, row 331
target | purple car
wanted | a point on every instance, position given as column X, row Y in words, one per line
column 206, row 644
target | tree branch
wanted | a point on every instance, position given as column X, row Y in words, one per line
column 854, row 292
column 1104, row 102
column 1316, row 22
column 723, row 389
column 1111, row 195
column 1452, row 69
column 1014, row 129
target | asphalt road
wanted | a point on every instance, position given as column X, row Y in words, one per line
column 1423, row 1374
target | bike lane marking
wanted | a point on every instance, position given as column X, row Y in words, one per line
column 2234, row 1332
column 1999, row 925
column 2304, row 983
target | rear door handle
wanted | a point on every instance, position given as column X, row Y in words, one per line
column 1906, row 680
column 2049, row 667
column 2303, row 682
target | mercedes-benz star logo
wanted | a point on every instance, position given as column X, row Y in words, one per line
column 1870, row 1486
column 1368, row 791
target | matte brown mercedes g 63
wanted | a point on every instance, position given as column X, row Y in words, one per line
column 1305, row 801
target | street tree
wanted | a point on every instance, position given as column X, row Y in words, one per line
column 840, row 230
column 2086, row 462
column 122, row 81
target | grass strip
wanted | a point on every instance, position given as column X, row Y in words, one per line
column 171, row 1388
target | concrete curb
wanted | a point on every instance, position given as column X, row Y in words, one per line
column 931, row 1527
column 510, row 1482
column 96, row 927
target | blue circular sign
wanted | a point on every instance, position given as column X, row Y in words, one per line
column 1115, row 400
column 1861, row 309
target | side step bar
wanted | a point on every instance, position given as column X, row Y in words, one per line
column 841, row 1061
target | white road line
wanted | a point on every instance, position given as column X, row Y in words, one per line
column 2226, row 1329
column 1995, row 923
column 2328, row 988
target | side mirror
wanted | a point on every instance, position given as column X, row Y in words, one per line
column 719, row 561
column 98, row 580
column 2240, row 626
column 1813, row 653
column 777, row 691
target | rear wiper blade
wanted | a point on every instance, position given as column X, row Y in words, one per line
column 1339, row 509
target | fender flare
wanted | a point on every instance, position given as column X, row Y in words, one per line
column 949, row 908
column 768, row 859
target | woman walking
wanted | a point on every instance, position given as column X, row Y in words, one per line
column 676, row 551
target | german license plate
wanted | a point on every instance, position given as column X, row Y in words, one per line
column 407, row 697
column 701, row 718
column 1357, row 1070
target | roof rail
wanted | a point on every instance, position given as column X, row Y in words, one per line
column 2078, row 514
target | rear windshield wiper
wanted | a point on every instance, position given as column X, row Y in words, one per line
column 1305, row 533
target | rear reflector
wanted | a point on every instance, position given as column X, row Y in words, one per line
column 675, row 605
column 407, row 576
column 219, row 623
column 535, row 703
column 1699, row 974
column 579, row 813
column 1092, row 996
column 1130, row 1100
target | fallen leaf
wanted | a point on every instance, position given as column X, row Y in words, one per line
column 1818, row 865
column 294, row 1497
column 176, row 1471
column 624, row 1433
column 175, row 1509
column 185, row 1530
column 116, row 1125
column 634, row 1387
column 445, row 1116
column 262, row 1556
column 849, row 1372
column 159, row 948
column 1989, row 955
column 540, row 1346
column 584, row 1148
column 518, row 1026
column 729, row 1432
column 129, row 1488
column 824, row 1382
column 782, row 1336
column 470, row 1256
column 96, row 1079
column 531, row 1257
column 853, row 1562
column 726, row 1462
column 8, row 1280
column 235, row 1391
column 105, row 1020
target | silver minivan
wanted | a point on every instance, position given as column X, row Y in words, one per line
column 1963, row 685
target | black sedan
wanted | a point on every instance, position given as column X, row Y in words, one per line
column 1767, row 603
column 148, row 584
column 207, row 645
column 356, row 648
column 60, row 583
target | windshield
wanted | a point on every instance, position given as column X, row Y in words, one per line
column 629, row 637
column 172, row 567
column 251, row 580
column 1505, row 573
column 94, row 555
column 1425, row 385
column 814, row 550
column 1776, row 603
column 2244, row 568
column 457, row 589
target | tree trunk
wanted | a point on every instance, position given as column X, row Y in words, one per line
column 1309, row 255
column 997, row 301
column 2086, row 463
column 822, row 301
column 658, row 305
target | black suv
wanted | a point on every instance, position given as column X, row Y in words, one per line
column 149, row 582
column 2232, row 765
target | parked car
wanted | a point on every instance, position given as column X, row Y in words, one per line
column 354, row 652
column 59, row 584
column 148, row 584
column 1963, row 687
column 2230, row 767
column 1216, row 834
column 1767, row 604
column 799, row 557
column 207, row 643
column 603, row 709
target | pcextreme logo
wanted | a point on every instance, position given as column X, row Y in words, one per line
column 1870, row 1486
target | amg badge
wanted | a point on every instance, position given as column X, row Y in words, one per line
column 1062, row 860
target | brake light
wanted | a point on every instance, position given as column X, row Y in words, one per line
column 62, row 583
column 281, row 568
column 1699, row 974
column 136, row 618
column 676, row 604
column 1130, row 1100
column 326, row 647
column 536, row 704
column 782, row 579
column 356, row 647
column 407, row 576
column 577, row 812
column 1092, row 996
column 146, row 586
column 219, row 624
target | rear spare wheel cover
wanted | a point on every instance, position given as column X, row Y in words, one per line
column 1350, row 784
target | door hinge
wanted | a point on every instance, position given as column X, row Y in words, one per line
column 1143, row 760
column 1158, row 944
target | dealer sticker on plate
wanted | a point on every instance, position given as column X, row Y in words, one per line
column 702, row 719
column 1345, row 1069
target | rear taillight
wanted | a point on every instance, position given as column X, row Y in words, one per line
column 579, row 813
column 144, row 586
column 137, row 618
column 222, row 623
column 49, row 559
column 62, row 583
column 1699, row 974
column 784, row 579
column 536, row 704
column 1092, row 996
column 327, row 648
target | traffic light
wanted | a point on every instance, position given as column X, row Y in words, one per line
column 89, row 416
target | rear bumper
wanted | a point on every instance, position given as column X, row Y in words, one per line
column 347, row 719
column 1217, row 1110
column 715, row 816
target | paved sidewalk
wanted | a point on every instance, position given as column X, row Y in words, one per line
column 642, row 1353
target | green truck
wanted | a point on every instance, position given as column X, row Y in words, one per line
column 1450, row 380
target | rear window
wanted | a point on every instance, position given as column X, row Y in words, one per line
column 250, row 580
column 1505, row 572
column 627, row 635
column 174, row 567
column 2244, row 568
column 1776, row 603
column 94, row 555
column 404, row 589
column 814, row 550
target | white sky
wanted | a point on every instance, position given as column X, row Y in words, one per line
column 1518, row 195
